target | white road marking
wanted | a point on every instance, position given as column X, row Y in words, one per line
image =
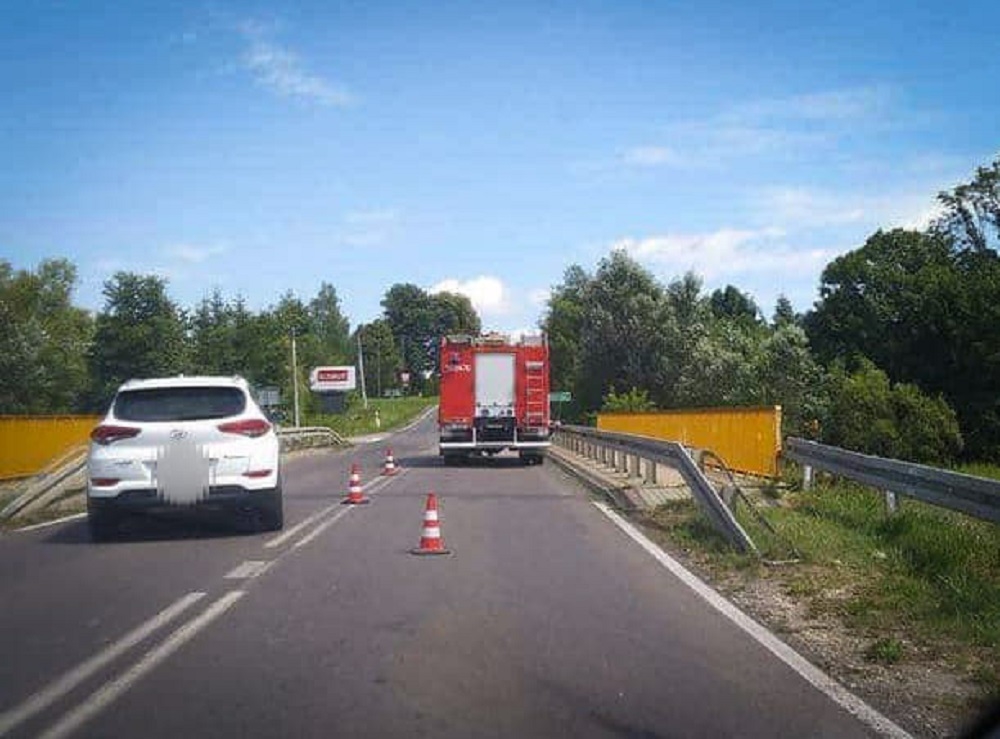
column 111, row 691
column 69, row 680
column 289, row 533
column 249, row 569
column 371, row 486
column 812, row 674
column 54, row 522
column 322, row 527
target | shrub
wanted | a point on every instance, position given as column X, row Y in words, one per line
column 868, row 414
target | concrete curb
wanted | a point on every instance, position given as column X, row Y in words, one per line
column 617, row 495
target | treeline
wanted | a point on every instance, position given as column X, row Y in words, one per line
column 899, row 356
column 58, row 358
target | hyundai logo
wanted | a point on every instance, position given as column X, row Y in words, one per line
column 178, row 434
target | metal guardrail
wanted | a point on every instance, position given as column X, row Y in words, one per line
column 975, row 496
column 301, row 432
column 669, row 453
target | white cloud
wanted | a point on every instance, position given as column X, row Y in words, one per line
column 650, row 156
column 782, row 127
column 800, row 206
column 280, row 70
column 828, row 106
column 195, row 254
column 725, row 253
column 487, row 294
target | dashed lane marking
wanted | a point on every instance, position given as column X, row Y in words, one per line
column 70, row 680
column 114, row 689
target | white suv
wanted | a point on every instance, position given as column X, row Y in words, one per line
column 181, row 444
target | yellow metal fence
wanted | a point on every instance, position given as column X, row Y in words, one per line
column 28, row 443
column 747, row 439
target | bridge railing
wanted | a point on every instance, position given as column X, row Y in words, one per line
column 611, row 447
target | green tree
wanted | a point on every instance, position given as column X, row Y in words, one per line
column 927, row 314
column 212, row 337
column 43, row 340
column 381, row 357
column 634, row 401
column 562, row 324
column 623, row 336
column 784, row 313
column 972, row 210
column 329, row 326
column 730, row 303
column 139, row 333
column 418, row 320
column 791, row 377
column 869, row 414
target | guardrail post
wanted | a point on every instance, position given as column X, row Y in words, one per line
column 807, row 477
column 649, row 471
column 891, row 502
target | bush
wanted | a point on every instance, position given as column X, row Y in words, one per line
column 868, row 414
column 634, row 401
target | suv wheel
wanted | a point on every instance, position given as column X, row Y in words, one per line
column 272, row 512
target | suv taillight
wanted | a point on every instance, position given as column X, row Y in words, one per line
column 108, row 433
column 252, row 427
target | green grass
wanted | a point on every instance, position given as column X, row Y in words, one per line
column 358, row 421
column 928, row 573
column 887, row 651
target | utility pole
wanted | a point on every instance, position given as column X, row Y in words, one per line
column 378, row 369
column 295, row 380
column 361, row 371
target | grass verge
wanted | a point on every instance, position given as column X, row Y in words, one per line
column 382, row 414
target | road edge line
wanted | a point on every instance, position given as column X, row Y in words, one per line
column 799, row 664
column 53, row 522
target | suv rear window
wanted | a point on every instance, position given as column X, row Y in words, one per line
column 179, row 403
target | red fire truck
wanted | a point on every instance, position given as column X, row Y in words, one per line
column 494, row 396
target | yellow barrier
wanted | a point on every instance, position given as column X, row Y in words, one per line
column 747, row 439
column 28, row 443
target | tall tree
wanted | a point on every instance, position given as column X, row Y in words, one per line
column 43, row 340
column 734, row 304
column 329, row 326
column 972, row 210
column 382, row 360
column 925, row 313
column 625, row 326
column 212, row 338
column 418, row 320
column 563, row 323
column 139, row 333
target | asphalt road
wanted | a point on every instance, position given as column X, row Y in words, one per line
column 547, row 620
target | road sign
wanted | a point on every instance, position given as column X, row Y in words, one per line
column 269, row 396
column 562, row 396
column 333, row 379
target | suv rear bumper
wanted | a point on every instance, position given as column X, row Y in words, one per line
column 223, row 499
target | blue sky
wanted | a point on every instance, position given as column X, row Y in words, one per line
column 480, row 147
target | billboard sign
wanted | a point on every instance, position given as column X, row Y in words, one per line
column 333, row 379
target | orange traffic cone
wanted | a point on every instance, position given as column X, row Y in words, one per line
column 431, row 541
column 390, row 464
column 354, row 494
